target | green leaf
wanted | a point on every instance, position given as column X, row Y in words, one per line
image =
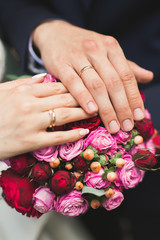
column 93, row 191
column 102, row 160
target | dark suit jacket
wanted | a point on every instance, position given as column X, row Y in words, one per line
column 135, row 23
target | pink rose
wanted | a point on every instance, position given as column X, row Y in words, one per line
column 114, row 201
column 102, row 140
column 49, row 78
column 95, row 180
column 122, row 137
column 71, row 150
column 43, row 199
column 129, row 175
column 48, row 154
column 147, row 114
column 71, row 204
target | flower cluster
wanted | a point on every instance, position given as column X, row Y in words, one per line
column 91, row 172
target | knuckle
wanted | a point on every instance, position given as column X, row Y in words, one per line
column 65, row 115
column 126, row 76
column 76, row 53
column 70, row 80
column 90, row 45
column 107, row 112
column 22, row 88
column 110, row 41
column 59, row 137
column 26, row 107
column 124, row 112
column 97, row 84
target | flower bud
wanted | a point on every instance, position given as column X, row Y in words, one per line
column 55, row 163
column 95, row 204
column 68, row 166
column 109, row 193
column 111, row 176
column 80, row 164
column 138, row 140
column 41, row 171
column 79, row 185
column 120, row 162
column 88, row 154
column 95, row 167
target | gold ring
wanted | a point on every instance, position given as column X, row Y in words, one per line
column 84, row 69
column 52, row 118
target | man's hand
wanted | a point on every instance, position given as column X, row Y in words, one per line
column 109, row 88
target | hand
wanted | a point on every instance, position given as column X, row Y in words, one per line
column 110, row 88
column 24, row 106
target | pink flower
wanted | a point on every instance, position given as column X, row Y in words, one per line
column 114, row 201
column 102, row 140
column 95, row 180
column 71, row 204
column 149, row 145
column 122, row 137
column 147, row 114
column 71, row 150
column 49, row 78
column 129, row 175
column 48, row 154
column 43, row 199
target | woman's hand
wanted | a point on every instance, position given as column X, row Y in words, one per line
column 109, row 88
column 24, row 106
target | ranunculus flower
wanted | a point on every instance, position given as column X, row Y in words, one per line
column 62, row 182
column 114, row 201
column 43, row 199
column 129, row 175
column 47, row 154
column 95, row 180
column 71, row 204
column 144, row 159
column 102, row 140
column 49, row 78
column 71, row 150
column 91, row 123
column 122, row 137
column 41, row 171
column 80, row 164
column 22, row 164
column 145, row 127
column 18, row 192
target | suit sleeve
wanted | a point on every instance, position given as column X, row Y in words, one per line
column 18, row 18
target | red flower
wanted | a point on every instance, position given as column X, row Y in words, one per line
column 91, row 123
column 80, row 164
column 145, row 128
column 22, row 163
column 144, row 159
column 62, row 182
column 142, row 96
column 41, row 171
column 18, row 192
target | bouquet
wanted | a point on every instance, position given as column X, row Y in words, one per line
column 91, row 172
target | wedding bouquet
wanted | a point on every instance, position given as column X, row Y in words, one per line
column 91, row 172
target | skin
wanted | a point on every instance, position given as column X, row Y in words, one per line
column 110, row 88
column 24, row 106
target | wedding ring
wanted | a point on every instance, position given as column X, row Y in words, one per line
column 52, row 118
column 84, row 69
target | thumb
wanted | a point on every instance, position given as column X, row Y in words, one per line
column 142, row 75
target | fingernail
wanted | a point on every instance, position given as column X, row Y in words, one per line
column 138, row 114
column 113, row 126
column 84, row 132
column 92, row 107
column 127, row 125
column 39, row 75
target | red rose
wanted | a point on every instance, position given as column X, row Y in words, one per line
column 91, row 123
column 62, row 182
column 18, row 192
column 144, row 159
column 80, row 164
column 142, row 96
column 145, row 128
column 22, row 163
column 41, row 171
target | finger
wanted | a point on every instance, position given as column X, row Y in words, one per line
column 120, row 64
column 62, row 116
column 48, row 89
column 78, row 90
column 57, row 101
column 22, row 81
column 142, row 75
column 55, row 138
column 116, row 92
